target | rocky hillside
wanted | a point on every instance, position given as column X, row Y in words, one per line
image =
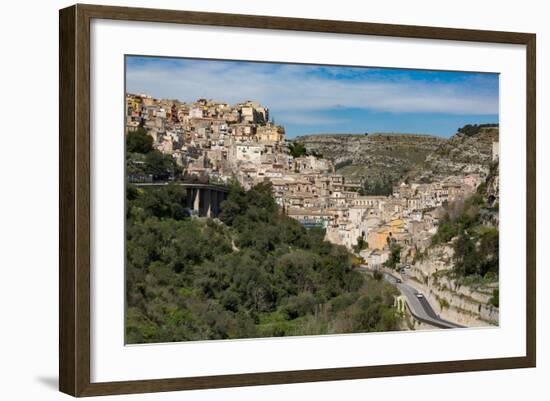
column 384, row 159
column 374, row 158
column 465, row 152
column 459, row 271
column 470, row 305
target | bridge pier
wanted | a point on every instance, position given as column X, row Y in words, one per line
column 203, row 199
column 196, row 200
column 208, row 202
column 215, row 203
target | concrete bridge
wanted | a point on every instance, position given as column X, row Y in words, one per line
column 203, row 199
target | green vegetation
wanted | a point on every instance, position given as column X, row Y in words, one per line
column 382, row 186
column 475, row 244
column 143, row 163
column 443, row 303
column 139, row 141
column 343, row 163
column 162, row 203
column 459, row 217
column 298, row 149
column 473, row 129
column 494, row 298
column 256, row 273
column 395, row 256
column 476, row 254
column 361, row 244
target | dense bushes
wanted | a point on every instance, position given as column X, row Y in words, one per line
column 259, row 273
column 476, row 254
column 494, row 300
column 475, row 244
column 395, row 256
column 379, row 186
column 166, row 202
column 473, row 129
column 298, row 149
column 144, row 163
column 459, row 217
column 139, row 141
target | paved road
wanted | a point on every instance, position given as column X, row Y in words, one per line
column 420, row 308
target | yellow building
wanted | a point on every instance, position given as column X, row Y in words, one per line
column 378, row 238
column 396, row 225
column 133, row 104
column 269, row 133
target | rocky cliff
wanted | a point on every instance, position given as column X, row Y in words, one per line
column 373, row 158
column 387, row 158
column 464, row 302
column 464, row 153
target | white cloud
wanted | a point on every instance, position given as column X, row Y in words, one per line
column 290, row 88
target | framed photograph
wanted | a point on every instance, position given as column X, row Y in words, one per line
column 249, row 200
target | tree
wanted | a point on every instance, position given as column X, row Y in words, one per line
column 377, row 274
column 395, row 256
column 256, row 273
column 299, row 305
column 161, row 166
column 234, row 205
column 465, row 255
column 297, row 149
column 163, row 202
column 494, row 300
column 139, row 141
column 489, row 250
column 473, row 129
column 361, row 244
column 445, row 232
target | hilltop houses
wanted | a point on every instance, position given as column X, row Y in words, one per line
column 215, row 140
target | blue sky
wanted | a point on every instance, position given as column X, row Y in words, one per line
column 308, row 99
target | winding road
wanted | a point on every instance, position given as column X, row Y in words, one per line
column 419, row 307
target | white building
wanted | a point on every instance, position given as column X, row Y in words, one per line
column 248, row 153
column 195, row 112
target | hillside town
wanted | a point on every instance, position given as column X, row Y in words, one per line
column 221, row 142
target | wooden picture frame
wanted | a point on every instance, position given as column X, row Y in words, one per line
column 75, row 207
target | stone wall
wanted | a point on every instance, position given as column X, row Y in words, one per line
column 458, row 304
